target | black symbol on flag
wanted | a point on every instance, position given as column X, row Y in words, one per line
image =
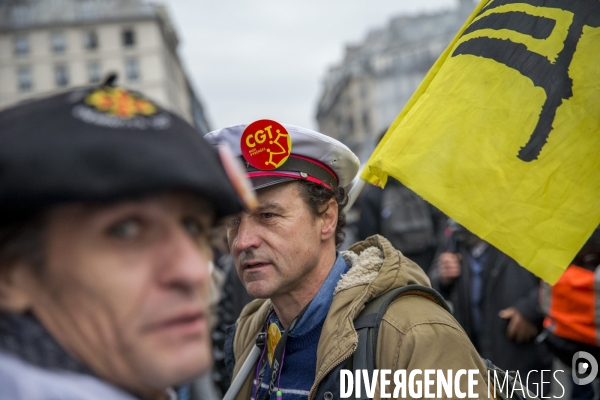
column 552, row 77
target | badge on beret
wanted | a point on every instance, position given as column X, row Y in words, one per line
column 118, row 108
column 266, row 144
column 119, row 102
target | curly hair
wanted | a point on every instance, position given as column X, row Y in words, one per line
column 316, row 196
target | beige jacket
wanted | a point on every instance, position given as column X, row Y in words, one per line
column 415, row 333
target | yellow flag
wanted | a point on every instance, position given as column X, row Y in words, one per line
column 503, row 133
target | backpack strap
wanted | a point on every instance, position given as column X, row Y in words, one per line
column 367, row 327
column 367, row 324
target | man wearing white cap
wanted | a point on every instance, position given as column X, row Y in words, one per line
column 310, row 294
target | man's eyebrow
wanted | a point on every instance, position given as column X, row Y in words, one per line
column 269, row 207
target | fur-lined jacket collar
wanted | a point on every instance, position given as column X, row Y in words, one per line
column 376, row 267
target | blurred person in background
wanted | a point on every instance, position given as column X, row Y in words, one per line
column 495, row 300
column 572, row 322
column 208, row 386
column 106, row 204
column 403, row 217
column 411, row 224
column 233, row 297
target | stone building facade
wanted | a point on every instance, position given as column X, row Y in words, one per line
column 52, row 45
column 364, row 93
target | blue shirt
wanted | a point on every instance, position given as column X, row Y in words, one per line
column 477, row 261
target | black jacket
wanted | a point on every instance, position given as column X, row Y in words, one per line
column 505, row 284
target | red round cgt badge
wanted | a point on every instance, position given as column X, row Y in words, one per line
column 266, row 144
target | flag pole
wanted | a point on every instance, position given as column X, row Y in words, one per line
column 354, row 192
column 247, row 367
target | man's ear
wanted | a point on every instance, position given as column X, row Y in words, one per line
column 14, row 296
column 329, row 218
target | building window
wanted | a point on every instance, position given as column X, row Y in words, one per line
column 61, row 75
column 21, row 14
column 94, row 72
column 132, row 70
column 350, row 125
column 58, row 43
column 21, row 45
column 87, row 9
column 363, row 90
column 25, row 79
column 128, row 37
column 90, row 40
column 366, row 121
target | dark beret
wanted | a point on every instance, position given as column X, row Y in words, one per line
column 103, row 144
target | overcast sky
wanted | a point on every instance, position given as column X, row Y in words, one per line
column 253, row 59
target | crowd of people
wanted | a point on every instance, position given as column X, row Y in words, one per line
column 127, row 241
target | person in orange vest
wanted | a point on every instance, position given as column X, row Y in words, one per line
column 572, row 308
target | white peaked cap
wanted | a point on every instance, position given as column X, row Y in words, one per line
column 314, row 156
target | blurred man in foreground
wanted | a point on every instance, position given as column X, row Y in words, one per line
column 106, row 202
